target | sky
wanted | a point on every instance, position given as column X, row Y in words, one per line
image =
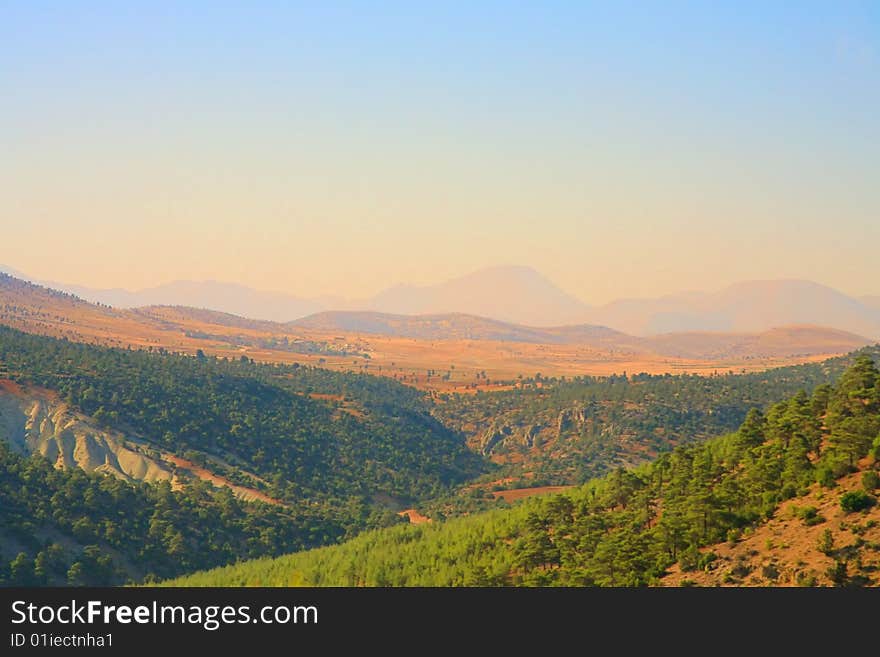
column 623, row 149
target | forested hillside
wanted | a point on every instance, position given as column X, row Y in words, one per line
column 341, row 452
column 629, row 527
column 65, row 527
column 307, row 431
column 568, row 431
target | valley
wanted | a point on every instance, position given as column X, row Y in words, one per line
column 348, row 425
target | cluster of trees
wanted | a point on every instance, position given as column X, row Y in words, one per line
column 627, row 528
column 621, row 420
column 281, row 343
column 66, row 527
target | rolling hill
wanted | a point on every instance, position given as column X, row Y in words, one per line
column 781, row 341
column 456, row 326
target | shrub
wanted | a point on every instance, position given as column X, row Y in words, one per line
column 870, row 480
column 825, row 477
column 806, row 579
column 856, row 500
column 770, row 571
column 733, row 536
column 837, row 573
column 810, row 516
column 741, row 569
column 826, row 542
column 706, row 559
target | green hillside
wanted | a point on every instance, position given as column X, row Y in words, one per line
column 627, row 528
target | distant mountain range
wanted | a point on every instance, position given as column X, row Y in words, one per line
column 783, row 341
column 746, row 306
column 39, row 309
column 521, row 295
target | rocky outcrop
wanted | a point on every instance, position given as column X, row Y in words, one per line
column 493, row 437
column 569, row 419
column 531, row 435
column 37, row 423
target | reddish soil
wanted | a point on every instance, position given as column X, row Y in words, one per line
column 414, row 516
column 206, row 475
column 515, row 494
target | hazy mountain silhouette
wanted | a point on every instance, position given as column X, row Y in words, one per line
column 510, row 293
column 213, row 295
column 743, row 307
column 521, row 295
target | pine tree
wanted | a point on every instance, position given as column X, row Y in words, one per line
column 854, row 410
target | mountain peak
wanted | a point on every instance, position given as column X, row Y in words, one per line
column 511, row 293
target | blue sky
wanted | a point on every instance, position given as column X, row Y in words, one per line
column 340, row 148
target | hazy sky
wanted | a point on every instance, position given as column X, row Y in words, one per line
column 623, row 150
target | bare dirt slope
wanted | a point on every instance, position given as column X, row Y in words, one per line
column 33, row 420
column 785, row 550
